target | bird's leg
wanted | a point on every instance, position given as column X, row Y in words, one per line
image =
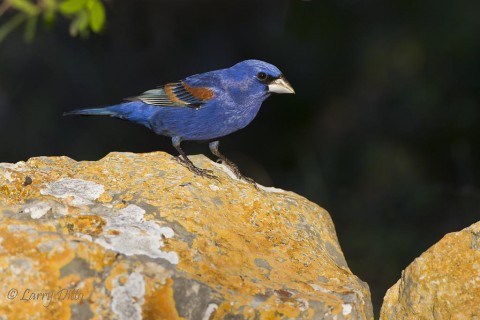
column 214, row 149
column 183, row 159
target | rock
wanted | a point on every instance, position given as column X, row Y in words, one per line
column 443, row 283
column 138, row 236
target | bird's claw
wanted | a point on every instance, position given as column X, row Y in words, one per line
column 237, row 172
column 180, row 160
column 204, row 173
column 245, row 178
column 249, row 180
column 196, row 170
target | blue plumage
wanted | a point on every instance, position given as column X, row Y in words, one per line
column 205, row 106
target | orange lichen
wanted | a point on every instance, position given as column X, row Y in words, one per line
column 87, row 224
column 97, row 257
column 30, row 262
column 159, row 301
column 113, row 232
column 99, row 304
column 223, row 310
column 105, row 198
column 443, row 283
column 119, row 270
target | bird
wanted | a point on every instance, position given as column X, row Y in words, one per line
column 202, row 107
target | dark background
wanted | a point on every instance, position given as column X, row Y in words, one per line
column 383, row 131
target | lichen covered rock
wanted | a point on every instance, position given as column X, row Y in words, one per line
column 443, row 283
column 137, row 236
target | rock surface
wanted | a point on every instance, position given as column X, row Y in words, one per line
column 443, row 283
column 137, row 236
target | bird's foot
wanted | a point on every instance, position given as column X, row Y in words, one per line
column 204, row 173
column 196, row 170
column 237, row 172
column 248, row 179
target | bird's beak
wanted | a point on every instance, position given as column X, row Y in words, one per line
column 280, row 85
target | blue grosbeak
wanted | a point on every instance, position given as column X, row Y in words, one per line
column 202, row 107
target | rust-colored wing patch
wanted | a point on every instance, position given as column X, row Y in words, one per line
column 177, row 94
column 170, row 94
column 203, row 94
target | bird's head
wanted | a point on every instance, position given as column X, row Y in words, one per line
column 262, row 76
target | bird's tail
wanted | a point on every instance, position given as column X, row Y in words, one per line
column 135, row 111
column 91, row 112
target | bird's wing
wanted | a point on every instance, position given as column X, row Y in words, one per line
column 177, row 94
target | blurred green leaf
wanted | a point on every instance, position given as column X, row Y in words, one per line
column 50, row 4
column 72, row 6
column 25, row 6
column 49, row 17
column 85, row 34
column 97, row 15
column 30, row 28
column 49, row 12
column 85, row 16
column 9, row 26
column 79, row 23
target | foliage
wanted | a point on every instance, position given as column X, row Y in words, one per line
column 84, row 16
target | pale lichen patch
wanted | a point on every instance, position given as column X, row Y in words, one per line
column 82, row 191
column 37, row 210
column 22, row 228
column 128, row 298
column 271, row 189
column 346, row 309
column 8, row 176
column 127, row 232
column 316, row 287
column 19, row 166
column 52, row 246
column 210, row 310
column 213, row 187
column 20, row 266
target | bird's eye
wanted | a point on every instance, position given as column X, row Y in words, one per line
column 262, row 76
